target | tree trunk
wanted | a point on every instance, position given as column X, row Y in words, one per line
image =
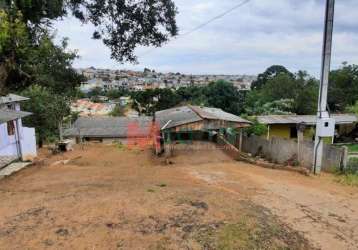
column 41, row 141
column 3, row 77
column 60, row 130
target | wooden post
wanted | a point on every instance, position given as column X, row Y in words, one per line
column 299, row 142
column 240, row 142
column 345, row 158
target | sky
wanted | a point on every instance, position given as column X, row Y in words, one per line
column 246, row 41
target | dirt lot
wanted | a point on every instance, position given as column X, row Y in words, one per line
column 115, row 198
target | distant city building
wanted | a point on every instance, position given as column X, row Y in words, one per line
column 87, row 108
column 124, row 100
column 107, row 80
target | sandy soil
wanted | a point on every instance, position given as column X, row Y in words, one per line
column 112, row 198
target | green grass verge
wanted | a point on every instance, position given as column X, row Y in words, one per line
column 352, row 147
column 348, row 179
column 350, row 175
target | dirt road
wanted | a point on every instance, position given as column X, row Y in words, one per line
column 113, row 198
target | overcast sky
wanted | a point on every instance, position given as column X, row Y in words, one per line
column 245, row 41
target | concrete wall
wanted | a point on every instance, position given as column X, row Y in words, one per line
column 283, row 131
column 228, row 148
column 279, row 150
column 9, row 147
column 28, row 144
column 279, row 130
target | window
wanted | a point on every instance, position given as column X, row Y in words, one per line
column 10, row 128
column 293, row 132
column 11, row 106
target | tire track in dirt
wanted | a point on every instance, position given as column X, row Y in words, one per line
column 328, row 221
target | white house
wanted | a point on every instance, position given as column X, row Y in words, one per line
column 16, row 141
column 91, row 85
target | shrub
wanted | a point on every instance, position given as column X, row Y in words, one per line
column 352, row 166
column 350, row 175
column 256, row 128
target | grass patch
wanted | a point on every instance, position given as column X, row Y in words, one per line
column 350, row 175
column 234, row 235
column 120, row 146
column 257, row 228
column 248, row 234
column 348, row 179
column 352, row 147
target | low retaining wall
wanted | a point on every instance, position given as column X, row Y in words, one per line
column 228, row 148
column 281, row 151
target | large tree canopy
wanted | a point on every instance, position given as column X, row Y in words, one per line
column 269, row 74
column 284, row 93
column 224, row 95
column 122, row 25
column 343, row 87
column 14, row 47
column 48, row 110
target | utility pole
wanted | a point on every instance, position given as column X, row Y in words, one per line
column 325, row 125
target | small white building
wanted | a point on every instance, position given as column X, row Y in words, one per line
column 91, row 85
column 16, row 141
column 124, row 100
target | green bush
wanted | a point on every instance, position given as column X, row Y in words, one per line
column 256, row 128
column 350, row 175
column 352, row 166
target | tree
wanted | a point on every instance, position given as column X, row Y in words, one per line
column 353, row 109
column 122, row 25
column 166, row 98
column 118, row 111
column 48, row 110
column 281, row 86
column 116, row 93
column 256, row 128
column 50, row 66
column 192, row 95
column 272, row 98
column 97, row 91
column 151, row 100
column 307, row 94
column 222, row 94
column 23, row 62
column 269, row 74
column 343, row 87
column 278, row 107
column 14, row 47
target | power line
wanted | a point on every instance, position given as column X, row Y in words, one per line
column 203, row 24
column 215, row 18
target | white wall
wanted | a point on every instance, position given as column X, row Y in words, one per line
column 28, row 144
column 8, row 145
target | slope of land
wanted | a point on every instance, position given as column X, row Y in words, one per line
column 108, row 197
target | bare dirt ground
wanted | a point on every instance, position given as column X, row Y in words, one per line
column 114, row 198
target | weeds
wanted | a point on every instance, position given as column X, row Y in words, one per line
column 348, row 179
column 350, row 175
column 352, row 147
column 120, row 146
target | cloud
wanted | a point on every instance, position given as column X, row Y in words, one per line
column 247, row 40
